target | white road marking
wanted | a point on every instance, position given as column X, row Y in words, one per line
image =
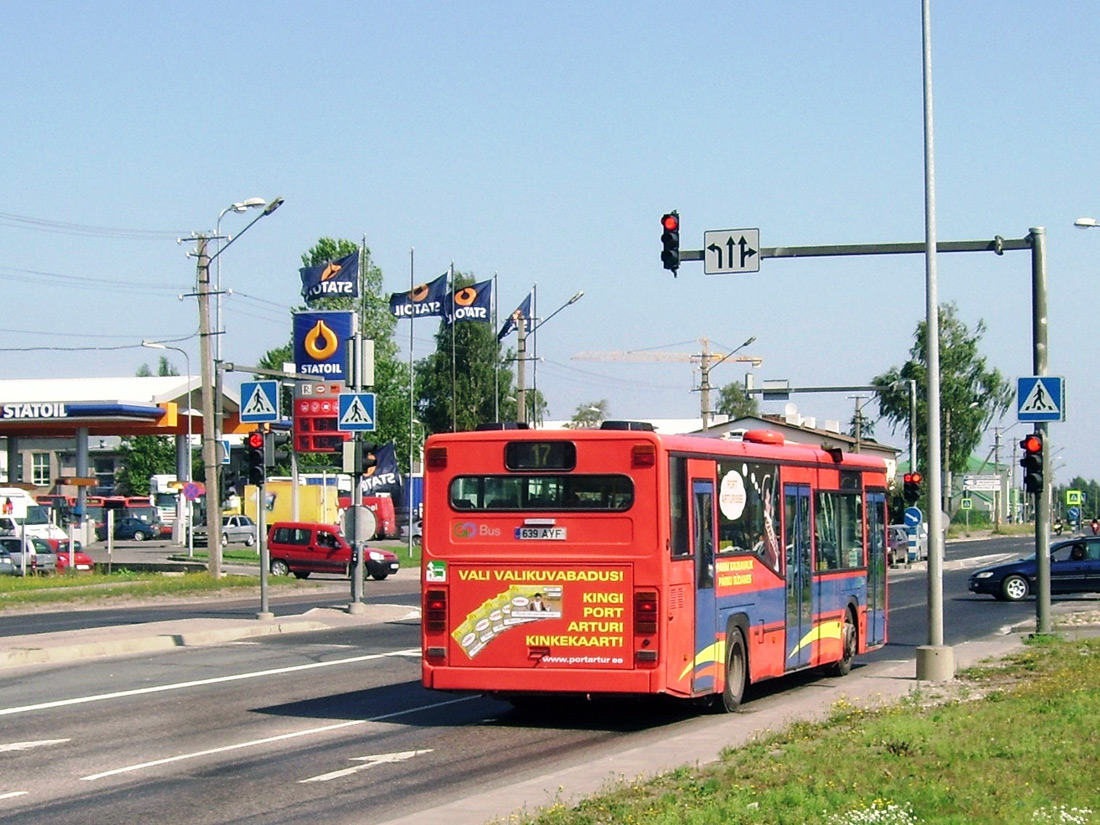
column 368, row 762
column 282, row 737
column 26, row 746
column 121, row 694
column 13, row 794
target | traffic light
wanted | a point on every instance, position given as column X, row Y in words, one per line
column 912, row 487
column 254, row 457
column 359, row 456
column 1032, row 462
column 670, row 240
column 276, row 448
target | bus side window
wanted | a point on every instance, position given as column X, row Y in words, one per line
column 677, row 509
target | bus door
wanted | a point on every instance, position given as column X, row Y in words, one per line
column 796, row 540
column 876, row 568
column 703, row 541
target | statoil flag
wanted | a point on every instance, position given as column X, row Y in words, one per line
column 332, row 279
column 384, row 476
column 425, row 299
column 522, row 311
column 321, row 343
column 471, row 303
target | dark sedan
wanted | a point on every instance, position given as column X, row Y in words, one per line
column 130, row 528
column 1074, row 568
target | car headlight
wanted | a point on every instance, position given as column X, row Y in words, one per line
column 985, row 574
column 374, row 555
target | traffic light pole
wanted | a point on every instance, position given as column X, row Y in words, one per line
column 358, row 547
column 265, row 554
column 1043, row 497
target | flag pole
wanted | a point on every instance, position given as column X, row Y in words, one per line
column 535, row 347
column 496, row 364
column 412, row 403
column 454, row 328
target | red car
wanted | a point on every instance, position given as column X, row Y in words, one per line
column 82, row 562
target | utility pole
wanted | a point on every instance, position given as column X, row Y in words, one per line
column 209, row 430
column 521, row 371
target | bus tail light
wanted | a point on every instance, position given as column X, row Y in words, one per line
column 435, row 611
column 645, row 612
column 643, row 455
column 436, row 458
column 645, row 626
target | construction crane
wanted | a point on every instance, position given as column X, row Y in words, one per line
column 706, row 359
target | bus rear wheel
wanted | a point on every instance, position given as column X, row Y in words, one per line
column 736, row 671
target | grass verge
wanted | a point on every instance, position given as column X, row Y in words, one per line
column 1013, row 742
column 90, row 587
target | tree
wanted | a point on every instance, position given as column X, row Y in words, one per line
column 589, row 415
column 735, row 401
column 457, row 385
column 972, row 394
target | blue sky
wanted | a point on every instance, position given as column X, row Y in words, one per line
column 541, row 143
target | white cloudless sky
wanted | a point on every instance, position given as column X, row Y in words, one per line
column 541, row 143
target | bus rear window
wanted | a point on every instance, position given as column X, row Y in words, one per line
column 540, row 455
column 613, row 493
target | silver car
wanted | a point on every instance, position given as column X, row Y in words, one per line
column 7, row 567
column 40, row 557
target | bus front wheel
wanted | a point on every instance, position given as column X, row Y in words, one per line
column 848, row 638
column 736, row 671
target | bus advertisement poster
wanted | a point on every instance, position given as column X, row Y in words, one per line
column 579, row 615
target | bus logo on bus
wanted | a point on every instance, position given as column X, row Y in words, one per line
column 464, row 530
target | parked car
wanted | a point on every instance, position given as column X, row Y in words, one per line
column 302, row 548
column 417, row 530
column 41, row 558
column 129, row 528
column 7, row 566
column 235, row 529
column 897, row 544
column 81, row 561
column 1074, row 568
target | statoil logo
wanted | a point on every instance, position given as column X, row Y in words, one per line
column 464, row 530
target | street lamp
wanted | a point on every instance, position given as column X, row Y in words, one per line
column 187, row 464
column 704, row 379
column 210, row 422
column 521, row 354
column 1085, row 223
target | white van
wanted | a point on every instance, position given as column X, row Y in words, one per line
column 19, row 512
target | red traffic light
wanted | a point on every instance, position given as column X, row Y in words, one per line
column 913, row 478
column 1032, row 443
column 671, row 222
column 256, row 440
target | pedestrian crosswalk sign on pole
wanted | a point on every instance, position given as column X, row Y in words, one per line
column 1040, row 398
column 356, row 412
column 259, row 401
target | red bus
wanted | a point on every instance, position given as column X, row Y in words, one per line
column 623, row 562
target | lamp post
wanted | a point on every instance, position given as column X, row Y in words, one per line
column 187, row 463
column 521, row 354
column 210, row 424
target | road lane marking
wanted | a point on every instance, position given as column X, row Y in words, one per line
column 13, row 794
column 268, row 740
column 26, row 746
column 368, row 762
column 214, row 680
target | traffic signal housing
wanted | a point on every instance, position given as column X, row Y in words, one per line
column 1032, row 462
column 912, row 487
column 670, row 241
column 276, row 448
column 254, row 457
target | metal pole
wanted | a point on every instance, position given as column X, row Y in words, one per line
column 265, row 554
column 1043, row 498
column 935, row 661
column 209, row 443
column 912, row 425
column 358, row 547
column 521, row 370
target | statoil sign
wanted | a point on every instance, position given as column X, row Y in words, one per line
column 34, row 410
column 321, row 343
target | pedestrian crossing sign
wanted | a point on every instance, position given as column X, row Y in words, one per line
column 1040, row 398
column 259, row 401
column 356, row 412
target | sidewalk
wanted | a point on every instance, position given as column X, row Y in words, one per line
column 123, row 640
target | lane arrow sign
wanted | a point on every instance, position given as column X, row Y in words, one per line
column 368, row 762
